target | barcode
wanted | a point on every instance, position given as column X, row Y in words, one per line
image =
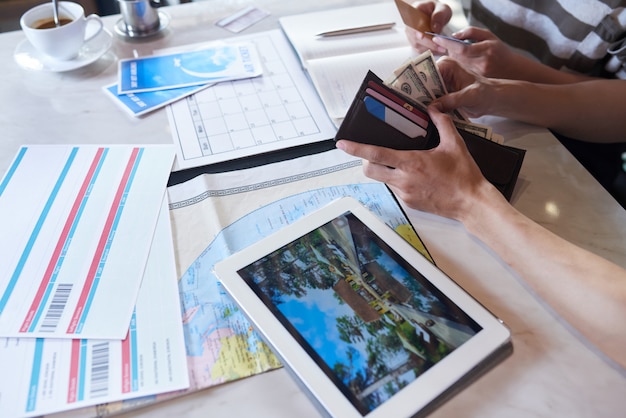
column 99, row 370
column 55, row 310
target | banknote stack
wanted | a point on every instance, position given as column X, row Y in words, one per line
column 419, row 79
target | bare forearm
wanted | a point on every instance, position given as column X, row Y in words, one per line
column 586, row 290
column 526, row 69
column 590, row 111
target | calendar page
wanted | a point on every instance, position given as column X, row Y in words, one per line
column 277, row 110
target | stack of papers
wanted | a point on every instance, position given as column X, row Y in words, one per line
column 148, row 83
column 89, row 309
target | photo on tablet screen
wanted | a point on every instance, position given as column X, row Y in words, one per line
column 369, row 319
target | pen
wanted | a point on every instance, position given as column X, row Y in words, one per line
column 359, row 29
column 450, row 38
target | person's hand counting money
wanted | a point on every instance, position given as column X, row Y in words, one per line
column 563, row 108
column 469, row 92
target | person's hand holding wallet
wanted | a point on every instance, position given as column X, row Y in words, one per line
column 380, row 116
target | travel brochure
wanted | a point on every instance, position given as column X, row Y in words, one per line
column 217, row 62
column 149, row 83
column 138, row 104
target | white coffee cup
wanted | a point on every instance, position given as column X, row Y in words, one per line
column 62, row 42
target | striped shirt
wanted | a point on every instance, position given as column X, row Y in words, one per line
column 585, row 36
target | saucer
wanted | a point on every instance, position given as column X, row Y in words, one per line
column 29, row 58
column 120, row 28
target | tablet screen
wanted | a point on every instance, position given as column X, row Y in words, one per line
column 370, row 320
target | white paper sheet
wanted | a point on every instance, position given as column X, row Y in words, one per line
column 338, row 64
column 77, row 224
column 302, row 30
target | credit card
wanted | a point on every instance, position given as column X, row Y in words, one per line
column 401, row 110
column 393, row 118
column 398, row 99
column 450, row 38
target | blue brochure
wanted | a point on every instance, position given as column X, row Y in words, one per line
column 211, row 64
column 138, row 104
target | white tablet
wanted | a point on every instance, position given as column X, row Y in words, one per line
column 367, row 325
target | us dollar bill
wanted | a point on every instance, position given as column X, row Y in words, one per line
column 426, row 68
column 407, row 82
column 477, row 129
column 419, row 79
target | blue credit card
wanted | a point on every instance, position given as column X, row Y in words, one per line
column 392, row 118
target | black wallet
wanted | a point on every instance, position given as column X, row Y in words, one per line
column 380, row 116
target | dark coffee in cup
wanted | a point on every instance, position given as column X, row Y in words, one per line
column 61, row 43
column 49, row 23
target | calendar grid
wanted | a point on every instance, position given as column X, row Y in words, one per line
column 245, row 117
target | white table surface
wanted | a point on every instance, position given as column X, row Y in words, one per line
column 551, row 373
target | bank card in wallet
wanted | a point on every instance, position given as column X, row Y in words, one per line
column 381, row 116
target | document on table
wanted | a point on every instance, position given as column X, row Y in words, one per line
column 241, row 118
column 42, row 376
column 77, row 224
